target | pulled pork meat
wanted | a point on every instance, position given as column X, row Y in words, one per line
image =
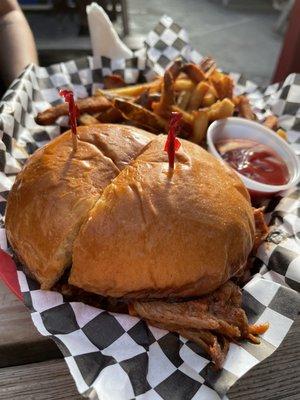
column 261, row 228
column 212, row 321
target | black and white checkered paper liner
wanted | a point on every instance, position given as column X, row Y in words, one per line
column 114, row 356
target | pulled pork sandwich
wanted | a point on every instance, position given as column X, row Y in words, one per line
column 124, row 225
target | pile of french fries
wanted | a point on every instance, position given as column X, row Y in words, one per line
column 201, row 93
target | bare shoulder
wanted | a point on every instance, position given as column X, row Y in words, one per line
column 7, row 6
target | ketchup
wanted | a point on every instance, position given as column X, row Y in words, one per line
column 254, row 160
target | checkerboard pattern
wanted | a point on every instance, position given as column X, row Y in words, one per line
column 116, row 356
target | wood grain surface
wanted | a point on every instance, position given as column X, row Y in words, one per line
column 20, row 343
column 276, row 378
column 39, row 381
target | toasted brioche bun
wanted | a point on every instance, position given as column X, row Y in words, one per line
column 157, row 233
column 53, row 194
column 126, row 224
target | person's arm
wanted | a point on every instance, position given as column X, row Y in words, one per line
column 17, row 46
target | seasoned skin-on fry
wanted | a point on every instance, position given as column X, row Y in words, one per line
column 183, row 84
column 236, row 100
column 112, row 115
column 113, row 81
column 200, row 126
column 88, row 105
column 134, row 90
column 209, row 99
column 146, row 99
column 167, row 98
column 175, row 68
column 197, row 95
column 88, row 119
column 245, row 109
column 221, row 109
column 282, row 134
column 183, row 99
column 110, row 95
column 208, row 65
column 194, row 72
column 187, row 117
column 271, row 122
column 223, row 86
column 140, row 116
column 228, row 87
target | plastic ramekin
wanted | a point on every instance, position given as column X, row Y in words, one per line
column 240, row 128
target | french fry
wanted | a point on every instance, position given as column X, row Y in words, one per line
column 175, row 68
column 209, row 99
column 186, row 124
column 208, row 65
column 146, row 99
column 221, row 109
column 216, row 75
column 183, row 84
column 223, row 86
column 228, row 87
column 134, row 90
column 113, row 81
column 280, row 132
column 188, row 118
column 183, row 99
column 217, row 83
column 200, row 125
column 88, row 119
column 182, row 75
column 245, row 109
column 194, row 72
column 201, row 93
column 109, row 95
column 112, row 115
column 197, row 95
column 213, row 91
column 236, row 100
column 271, row 122
column 140, row 116
column 88, row 105
column 167, row 98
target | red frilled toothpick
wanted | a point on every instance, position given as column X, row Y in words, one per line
column 73, row 114
column 172, row 143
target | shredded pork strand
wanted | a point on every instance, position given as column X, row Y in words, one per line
column 212, row 321
column 261, row 228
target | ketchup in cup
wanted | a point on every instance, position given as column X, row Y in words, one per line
column 254, row 160
column 264, row 161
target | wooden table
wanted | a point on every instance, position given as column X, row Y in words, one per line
column 31, row 366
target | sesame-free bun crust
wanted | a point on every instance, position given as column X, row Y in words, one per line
column 56, row 189
column 160, row 233
column 125, row 224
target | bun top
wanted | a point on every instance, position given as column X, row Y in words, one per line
column 56, row 189
column 158, row 233
column 129, row 225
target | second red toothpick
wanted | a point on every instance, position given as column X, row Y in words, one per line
column 172, row 143
column 73, row 114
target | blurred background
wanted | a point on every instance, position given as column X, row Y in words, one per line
column 243, row 36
